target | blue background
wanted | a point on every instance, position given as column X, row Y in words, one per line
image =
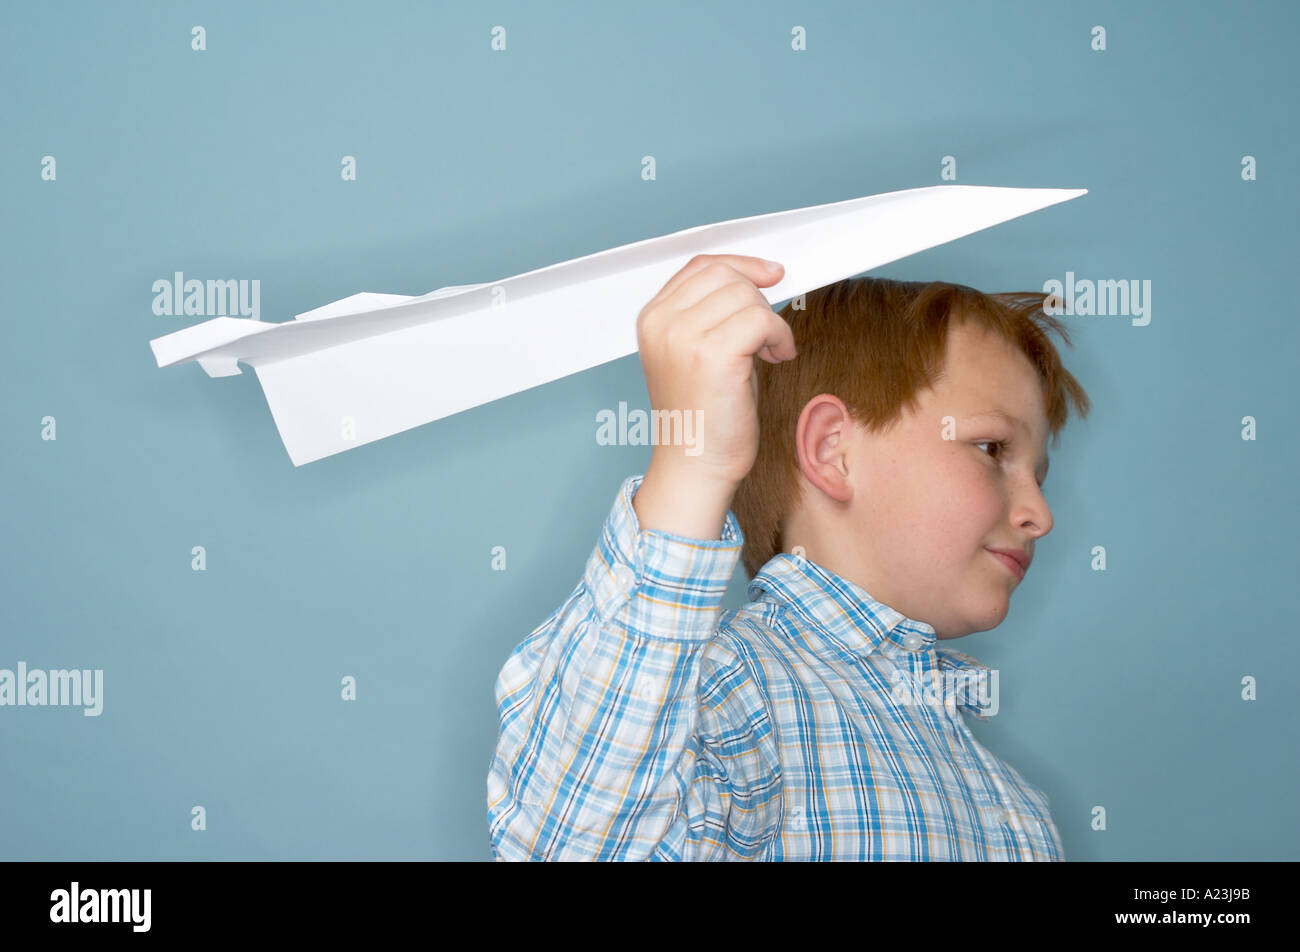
column 1119, row 688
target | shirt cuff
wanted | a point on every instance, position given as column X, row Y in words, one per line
column 672, row 586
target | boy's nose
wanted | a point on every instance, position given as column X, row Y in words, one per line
column 1034, row 515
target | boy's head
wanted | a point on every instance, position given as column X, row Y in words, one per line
column 882, row 456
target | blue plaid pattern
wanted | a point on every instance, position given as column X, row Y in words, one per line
column 639, row 721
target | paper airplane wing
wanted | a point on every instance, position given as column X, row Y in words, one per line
column 371, row 365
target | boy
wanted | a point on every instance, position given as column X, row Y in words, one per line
column 819, row 720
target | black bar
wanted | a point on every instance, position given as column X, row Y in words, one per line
column 192, row 900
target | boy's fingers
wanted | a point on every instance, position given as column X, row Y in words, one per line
column 756, row 330
column 753, row 268
column 709, row 298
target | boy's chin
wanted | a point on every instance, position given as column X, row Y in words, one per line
column 981, row 621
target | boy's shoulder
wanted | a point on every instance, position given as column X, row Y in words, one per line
column 752, row 643
column 750, row 631
column 746, row 646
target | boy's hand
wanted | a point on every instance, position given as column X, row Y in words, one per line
column 697, row 338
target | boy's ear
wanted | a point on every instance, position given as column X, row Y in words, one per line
column 823, row 438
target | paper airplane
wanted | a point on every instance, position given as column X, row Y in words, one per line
column 371, row 365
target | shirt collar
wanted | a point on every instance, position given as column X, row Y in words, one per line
column 841, row 609
column 848, row 620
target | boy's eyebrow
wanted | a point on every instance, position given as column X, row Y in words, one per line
column 1019, row 424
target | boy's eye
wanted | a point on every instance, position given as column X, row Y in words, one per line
column 1001, row 447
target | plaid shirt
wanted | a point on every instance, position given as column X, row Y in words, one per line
column 640, row 722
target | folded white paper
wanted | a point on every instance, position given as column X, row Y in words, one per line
column 371, row 365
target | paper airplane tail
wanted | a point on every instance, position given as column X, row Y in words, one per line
column 191, row 343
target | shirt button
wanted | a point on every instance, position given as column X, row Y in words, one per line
column 912, row 641
column 624, row 577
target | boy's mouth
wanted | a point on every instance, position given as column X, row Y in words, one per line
column 1015, row 561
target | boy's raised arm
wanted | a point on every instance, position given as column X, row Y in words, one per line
column 612, row 744
column 600, row 754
